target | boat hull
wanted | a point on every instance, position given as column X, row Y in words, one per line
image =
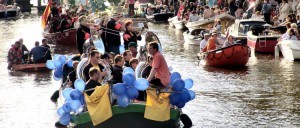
column 190, row 39
column 231, row 56
column 130, row 117
column 30, row 67
column 67, row 37
column 264, row 44
column 290, row 49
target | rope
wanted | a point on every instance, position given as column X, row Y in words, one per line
column 231, row 53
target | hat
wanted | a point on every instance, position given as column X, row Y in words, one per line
column 214, row 33
column 115, row 15
column 132, row 44
column 206, row 34
column 104, row 56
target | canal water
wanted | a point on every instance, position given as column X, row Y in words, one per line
column 265, row 93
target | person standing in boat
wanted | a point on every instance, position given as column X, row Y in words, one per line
column 40, row 54
column 160, row 74
column 266, row 10
column 130, row 35
column 212, row 43
column 83, row 33
column 14, row 55
column 118, row 69
column 113, row 34
column 229, row 41
column 204, row 42
column 131, row 7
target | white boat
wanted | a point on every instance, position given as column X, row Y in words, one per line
column 194, row 37
column 171, row 19
column 179, row 24
column 203, row 23
column 290, row 49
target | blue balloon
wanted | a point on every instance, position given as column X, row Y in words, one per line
column 56, row 79
column 178, row 85
column 75, row 105
column 79, row 85
column 67, row 107
column 58, row 64
column 50, row 64
column 132, row 93
column 70, row 63
column 192, row 94
column 123, row 101
column 58, row 73
column 75, row 94
column 99, row 46
column 141, row 84
column 128, row 79
column 174, row 76
column 128, row 70
column 185, row 96
column 55, row 56
column 66, row 93
column 65, row 119
column 121, row 49
column 174, row 98
column 60, row 111
column 188, row 83
column 180, row 104
column 119, row 88
column 62, row 58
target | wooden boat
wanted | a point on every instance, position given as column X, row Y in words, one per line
column 290, row 49
column 30, row 67
column 67, row 37
column 194, row 37
column 203, row 23
column 262, row 42
column 231, row 56
column 130, row 117
column 160, row 17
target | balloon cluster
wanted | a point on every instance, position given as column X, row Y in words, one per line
column 57, row 65
column 181, row 95
column 129, row 88
column 74, row 101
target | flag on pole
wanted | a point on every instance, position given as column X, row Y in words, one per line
column 46, row 13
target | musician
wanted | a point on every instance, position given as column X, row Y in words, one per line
column 113, row 34
column 83, row 33
column 130, row 35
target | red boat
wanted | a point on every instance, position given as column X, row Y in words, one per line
column 30, row 67
column 67, row 37
column 231, row 56
column 262, row 41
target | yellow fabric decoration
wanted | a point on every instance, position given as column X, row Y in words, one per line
column 157, row 106
column 98, row 104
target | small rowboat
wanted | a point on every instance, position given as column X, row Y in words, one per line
column 130, row 117
column 30, row 67
column 231, row 56
column 67, row 37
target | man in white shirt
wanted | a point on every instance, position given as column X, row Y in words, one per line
column 194, row 16
column 204, row 42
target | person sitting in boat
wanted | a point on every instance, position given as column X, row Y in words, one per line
column 93, row 81
column 206, row 12
column 83, row 33
column 204, row 42
column 295, row 28
column 132, row 47
column 256, row 15
column 276, row 21
column 160, row 74
column 118, row 69
column 40, row 54
column 217, row 26
column 25, row 51
column 130, row 34
column 157, row 9
column 93, row 61
column 64, row 24
column 45, row 43
column 291, row 35
column 194, row 16
column 133, row 63
column 212, row 43
column 239, row 13
column 127, row 56
column 14, row 55
column 229, row 41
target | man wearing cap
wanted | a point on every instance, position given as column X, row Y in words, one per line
column 211, row 45
column 113, row 34
column 132, row 47
column 204, row 42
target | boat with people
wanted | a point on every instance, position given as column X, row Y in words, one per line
column 232, row 56
column 67, row 37
column 30, row 67
column 194, row 37
column 203, row 23
column 290, row 49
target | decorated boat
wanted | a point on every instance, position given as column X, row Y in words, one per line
column 160, row 17
column 194, row 37
column 231, row 56
column 203, row 23
column 30, row 67
column 261, row 40
column 67, row 37
column 290, row 49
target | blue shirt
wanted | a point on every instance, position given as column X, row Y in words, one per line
column 38, row 52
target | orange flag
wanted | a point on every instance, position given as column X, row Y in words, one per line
column 46, row 13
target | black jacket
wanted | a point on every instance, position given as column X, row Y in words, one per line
column 87, row 69
column 117, row 74
column 91, row 84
